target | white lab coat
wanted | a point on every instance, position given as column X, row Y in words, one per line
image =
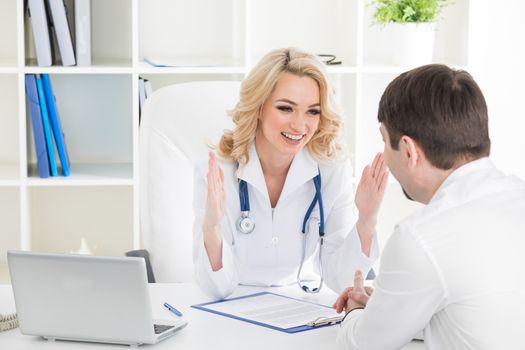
column 454, row 268
column 271, row 254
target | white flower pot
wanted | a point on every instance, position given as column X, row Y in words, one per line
column 411, row 44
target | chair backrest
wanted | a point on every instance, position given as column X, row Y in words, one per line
column 177, row 124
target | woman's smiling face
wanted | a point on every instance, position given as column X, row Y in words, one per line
column 290, row 116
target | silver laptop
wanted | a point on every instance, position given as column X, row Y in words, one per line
column 86, row 298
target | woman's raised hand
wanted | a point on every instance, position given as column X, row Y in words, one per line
column 215, row 207
column 371, row 189
column 216, row 198
column 368, row 197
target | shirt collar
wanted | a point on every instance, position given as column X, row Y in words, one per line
column 302, row 169
column 466, row 169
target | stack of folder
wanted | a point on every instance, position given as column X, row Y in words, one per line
column 46, row 126
column 51, row 25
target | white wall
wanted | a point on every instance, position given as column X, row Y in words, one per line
column 497, row 62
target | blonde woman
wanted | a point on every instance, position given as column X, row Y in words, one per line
column 281, row 172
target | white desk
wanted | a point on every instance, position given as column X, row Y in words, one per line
column 204, row 331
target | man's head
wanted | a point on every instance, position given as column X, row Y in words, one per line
column 434, row 119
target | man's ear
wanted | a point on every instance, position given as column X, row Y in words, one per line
column 411, row 150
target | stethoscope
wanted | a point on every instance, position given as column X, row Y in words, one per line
column 246, row 225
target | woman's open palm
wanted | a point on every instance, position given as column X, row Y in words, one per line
column 216, row 198
column 371, row 188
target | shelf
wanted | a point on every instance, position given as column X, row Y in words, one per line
column 450, row 40
column 99, row 109
column 345, row 94
column 8, row 66
column 369, row 138
column 146, row 68
column 10, row 219
column 9, row 172
column 110, row 39
column 169, row 28
column 320, row 27
column 9, row 34
column 341, row 69
column 61, row 216
column 87, row 175
column 9, row 130
column 378, row 68
column 98, row 129
column 99, row 66
column 161, row 80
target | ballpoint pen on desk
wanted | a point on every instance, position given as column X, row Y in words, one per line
column 172, row 309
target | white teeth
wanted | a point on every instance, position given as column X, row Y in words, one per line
column 292, row 137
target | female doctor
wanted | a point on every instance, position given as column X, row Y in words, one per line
column 280, row 198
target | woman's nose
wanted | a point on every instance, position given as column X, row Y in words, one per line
column 298, row 122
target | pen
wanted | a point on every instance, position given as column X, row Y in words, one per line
column 172, row 309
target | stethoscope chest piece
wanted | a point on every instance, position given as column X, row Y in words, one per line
column 245, row 224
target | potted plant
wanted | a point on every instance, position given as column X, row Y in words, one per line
column 410, row 26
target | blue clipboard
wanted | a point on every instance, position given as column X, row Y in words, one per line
column 297, row 329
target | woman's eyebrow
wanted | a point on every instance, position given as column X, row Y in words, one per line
column 295, row 104
column 287, row 101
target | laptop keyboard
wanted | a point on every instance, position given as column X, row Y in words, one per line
column 159, row 328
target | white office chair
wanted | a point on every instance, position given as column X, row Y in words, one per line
column 177, row 124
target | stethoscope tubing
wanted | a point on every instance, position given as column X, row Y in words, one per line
column 246, row 225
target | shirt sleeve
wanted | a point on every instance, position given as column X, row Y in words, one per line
column 342, row 254
column 217, row 284
column 408, row 291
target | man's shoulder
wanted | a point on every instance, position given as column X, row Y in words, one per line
column 466, row 204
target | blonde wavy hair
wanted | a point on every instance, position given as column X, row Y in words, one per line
column 325, row 144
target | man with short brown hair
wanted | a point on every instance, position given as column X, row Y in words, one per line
column 454, row 268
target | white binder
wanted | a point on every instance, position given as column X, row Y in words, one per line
column 65, row 43
column 37, row 11
column 83, row 32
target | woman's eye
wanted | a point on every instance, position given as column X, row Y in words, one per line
column 314, row 112
column 285, row 108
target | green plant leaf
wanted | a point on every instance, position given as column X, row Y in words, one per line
column 407, row 11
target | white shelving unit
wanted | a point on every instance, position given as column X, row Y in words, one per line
column 98, row 105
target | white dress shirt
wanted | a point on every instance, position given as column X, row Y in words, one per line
column 454, row 268
column 271, row 254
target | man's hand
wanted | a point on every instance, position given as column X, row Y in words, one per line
column 352, row 297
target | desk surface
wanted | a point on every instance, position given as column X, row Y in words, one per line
column 204, row 331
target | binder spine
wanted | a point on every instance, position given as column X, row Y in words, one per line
column 37, row 12
column 65, row 43
column 56, row 126
column 46, row 126
column 38, row 131
column 83, row 32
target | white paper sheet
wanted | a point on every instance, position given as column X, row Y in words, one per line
column 274, row 310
